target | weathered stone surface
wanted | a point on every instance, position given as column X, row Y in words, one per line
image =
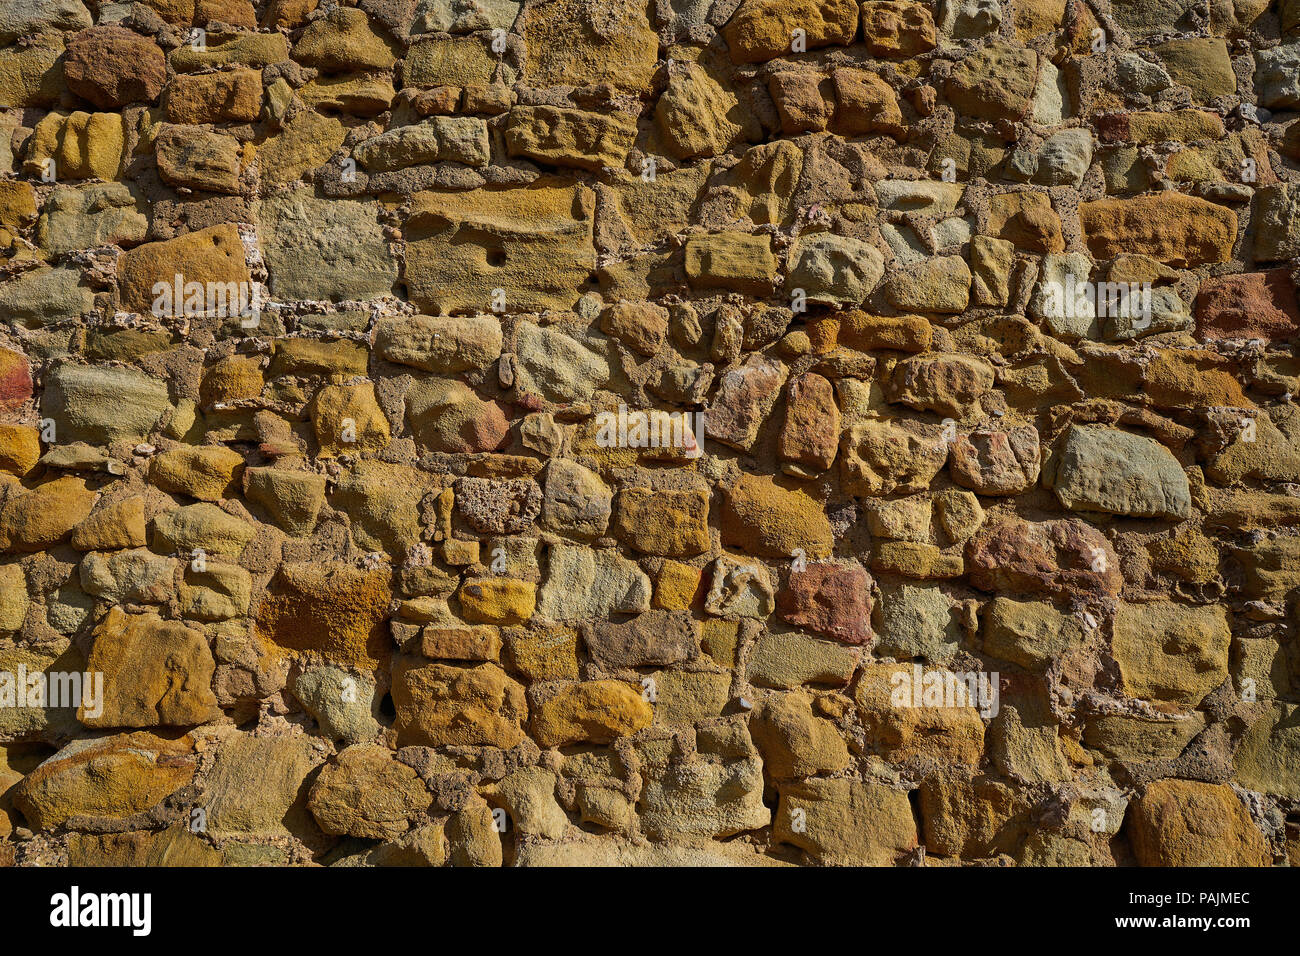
column 1187, row 823
column 672, row 524
column 592, row 711
column 1178, row 230
column 258, row 786
column 545, row 445
column 847, row 822
column 1171, row 653
column 111, row 777
column 331, row 249
column 556, row 365
column 834, row 270
column 770, row 519
column 731, row 260
column 572, row 138
column 343, row 41
column 1253, row 305
column 1057, row 558
column 536, row 247
column 88, row 217
column 440, row 344
column 996, row 83
column 887, row 695
column 1105, row 469
column 366, row 793
column 198, row 159
column 576, row 42
column 996, row 462
column 457, row 139
column 794, row 741
column 335, row 611
column 759, row 31
column 231, row 96
column 576, row 501
column 583, row 584
column 652, row 639
column 743, row 400
column 111, row 67
column 448, row 416
column 830, row 599
column 1028, row 633
column 208, row 256
column 32, row 17
column 882, row 457
column 810, row 433
column 696, row 116
column 947, row 384
column 440, row 705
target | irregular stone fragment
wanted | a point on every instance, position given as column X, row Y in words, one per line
column 787, row 661
column 739, row 589
column 257, row 786
column 763, row 518
column 652, row 639
column 1108, row 470
column 1175, row 229
column 695, row 115
column 1169, row 652
column 579, row 42
column 1028, row 633
column 1189, row 823
column 45, row 516
column 444, row 705
column 230, row 96
column 213, row 257
column 324, row 248
column 743, row 401
column 113, row 777
column 111, row 67
column 366, row 793
column 534, row 244
column 731, row 260
column 1060, row 557
column 592, row 711
column 571, row 138
column 672, row 524
column 195, row 158
column 343, row 42
column 88, row 217
column 834, row 270
column 448, row 416
column 947, row 384
column 794, row 741
column 846, row 822
column 883, row 456
column 831, row 599
column 456, row 139
column 996, row 462
column 334, row 610
column 760, row 30
column 444, row 345
column 137, row 576
column 583, row 584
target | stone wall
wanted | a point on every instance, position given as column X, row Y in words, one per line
column 753, row 431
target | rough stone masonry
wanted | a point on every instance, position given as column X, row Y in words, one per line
column 746, row 432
